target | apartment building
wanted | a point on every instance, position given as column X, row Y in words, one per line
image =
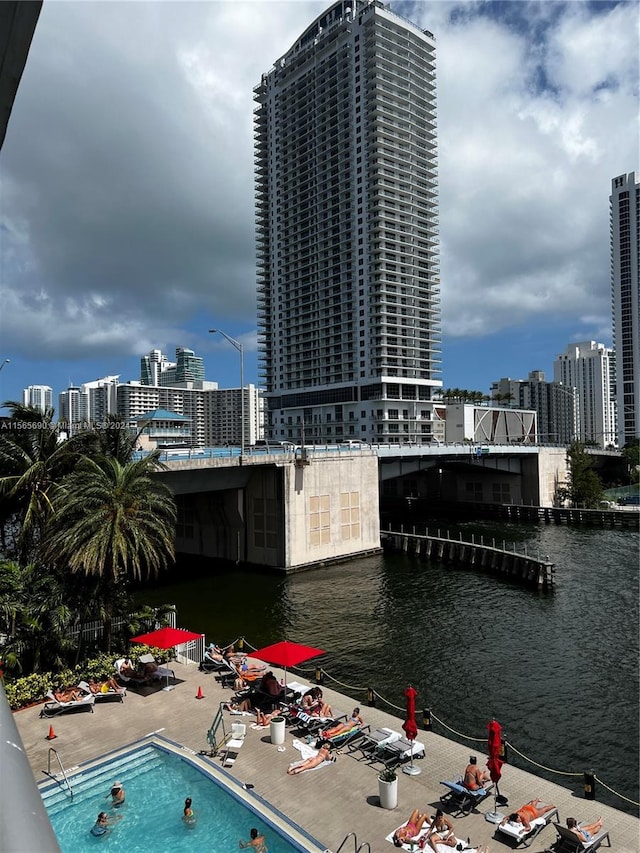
column 589, row 367
column 347, row 223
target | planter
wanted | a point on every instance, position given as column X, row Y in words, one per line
column 388, row 793
column 276, row 730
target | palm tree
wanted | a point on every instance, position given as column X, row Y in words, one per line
column 32, row 461
column 114, row 522
column 112, row 439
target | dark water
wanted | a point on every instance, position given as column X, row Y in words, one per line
column 559, row 670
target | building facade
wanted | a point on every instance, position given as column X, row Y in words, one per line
column 214, row 415
column 156, row 369
column 346, row 220
column 590, row 369
column 556, row 405
column 38, row 396
column 624, row 210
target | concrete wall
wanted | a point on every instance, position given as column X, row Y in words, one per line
column 332, row 508
column 287, row 516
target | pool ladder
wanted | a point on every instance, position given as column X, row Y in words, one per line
column 356, row 847
column 54, row 776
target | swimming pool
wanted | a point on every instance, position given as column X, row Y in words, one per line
column 157, row 776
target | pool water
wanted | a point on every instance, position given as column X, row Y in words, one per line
column 156, row 784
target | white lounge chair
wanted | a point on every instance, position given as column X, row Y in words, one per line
column 53, row 706
column 520, row 835
column 104, row 695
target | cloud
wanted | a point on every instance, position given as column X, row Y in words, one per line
column 126, row 177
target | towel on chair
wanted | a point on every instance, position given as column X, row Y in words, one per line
column 441, row 848
column 517, row 830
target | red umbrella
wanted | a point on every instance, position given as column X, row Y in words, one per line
column 410, row 726
column 166, row 638
column 494, row 763
column 494, row 747
column 286, row 654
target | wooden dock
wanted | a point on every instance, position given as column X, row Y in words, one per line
column 536, row 571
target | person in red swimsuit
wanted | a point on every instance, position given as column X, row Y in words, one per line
column 525, row 814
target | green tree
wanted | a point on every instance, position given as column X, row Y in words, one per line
column 631, row 452
column 32, row 462
column 583, row 488
column 113, row 522
column 34, row 618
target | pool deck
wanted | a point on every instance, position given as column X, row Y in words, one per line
column 329, row 802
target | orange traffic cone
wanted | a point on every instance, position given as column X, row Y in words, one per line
column 51, row 734
column 199, row 694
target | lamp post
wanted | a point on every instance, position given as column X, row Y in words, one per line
column 4, row 361
column 240, row 349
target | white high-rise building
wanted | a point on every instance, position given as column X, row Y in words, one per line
column 590, row 369
column 347, row 225
column 624, row 207
column 39, row 396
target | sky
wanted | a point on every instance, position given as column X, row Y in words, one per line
column 126, row 182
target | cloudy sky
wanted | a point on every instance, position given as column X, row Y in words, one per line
column 126, row 182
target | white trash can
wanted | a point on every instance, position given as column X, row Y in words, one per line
column 276, row 730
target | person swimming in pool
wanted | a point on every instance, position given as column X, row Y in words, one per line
column 188, row 815
column 117, row 795
column 103, row 824
column 256, row 841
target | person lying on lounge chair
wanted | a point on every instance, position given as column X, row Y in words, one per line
column 104, row 686
column 525, row 814
column 441, row 832
column 355, row 720
column 411, row 829
column 587, row 831
column 263, row 719
column 213, row 653
column 474, row 778
column 128, row 670
column 67, row 694
column 248, row 673
column 323, row 754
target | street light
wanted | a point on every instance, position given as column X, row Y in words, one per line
column 240, row 349
column 5, row 361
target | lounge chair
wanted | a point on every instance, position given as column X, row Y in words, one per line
column 159, row 673
column 460, row 800
column 517, row 832
column 53, row 706
column 373, row 741
column 397, row 752
column 104, row 695
column 568, row 842
column 343, row 739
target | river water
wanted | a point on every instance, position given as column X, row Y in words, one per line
column 559, row 670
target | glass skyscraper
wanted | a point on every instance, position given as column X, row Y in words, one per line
column 347, row 224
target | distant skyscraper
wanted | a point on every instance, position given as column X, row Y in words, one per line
column 346, row 218
column 624, row 209
column 72, row 408
column 589, row 368
column 156, row 369
column 40, row 396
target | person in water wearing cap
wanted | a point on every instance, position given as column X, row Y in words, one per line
column 117, row 795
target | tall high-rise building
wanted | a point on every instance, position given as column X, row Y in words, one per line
column 624, row 210
column 40, row 396
column 152, row 365
column 590, row 369
column 346, row 220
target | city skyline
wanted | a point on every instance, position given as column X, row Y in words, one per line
column 133, row 214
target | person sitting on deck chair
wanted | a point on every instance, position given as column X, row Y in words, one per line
column 587, row 831
column 525, row 814
column 313, row 704
column 473, row 777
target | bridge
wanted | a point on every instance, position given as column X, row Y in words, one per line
column 293, row 508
